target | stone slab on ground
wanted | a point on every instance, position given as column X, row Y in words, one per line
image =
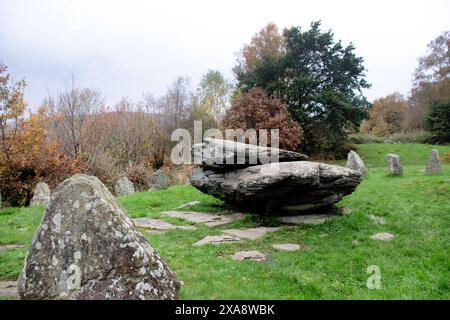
column 376, row 219
column 5, row 247
column 252, row 233
column 305, row 219
column 286, row 246
column 383, row 236
column 155, row 224
column 344, row 211
column 209, row 219
column 250, row 255
column 224, row 238
column 9, row 289
column 188, row 204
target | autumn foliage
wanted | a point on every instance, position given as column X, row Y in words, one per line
column 255, row 110
column 27, row 156
column 386, row 116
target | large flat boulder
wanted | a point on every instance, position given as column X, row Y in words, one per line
column 221, row 154
column 86, row 247
column 298, row 185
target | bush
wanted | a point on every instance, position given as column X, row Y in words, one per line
column 255, row 110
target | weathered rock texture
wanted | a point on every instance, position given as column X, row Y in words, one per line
column 395, row 168
column 159, row 180
column 355, row 162
column 41, row 195
column 434, row 164
column 87, row 248
column 220, row 154
column 298, row 186
column 124, row 187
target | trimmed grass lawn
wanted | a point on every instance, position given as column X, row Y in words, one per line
column 415, row 265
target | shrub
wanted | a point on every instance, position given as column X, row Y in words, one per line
column 255, row 110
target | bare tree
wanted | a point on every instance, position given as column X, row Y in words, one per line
column 71, row 108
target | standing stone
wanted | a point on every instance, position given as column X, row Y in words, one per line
column 159, row 180
column 41, row 195
column 88, row 248
column 434, row 164
column 395, row 168
column 355, row 162
column 124, row 187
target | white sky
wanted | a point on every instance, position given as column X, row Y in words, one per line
column 125, row 48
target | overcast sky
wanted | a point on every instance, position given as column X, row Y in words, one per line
column 125, row 48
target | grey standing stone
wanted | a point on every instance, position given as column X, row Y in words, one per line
column 434, row 164
column 124, row 187
column 41, row 195
column 159, row 180
column 88, row 248
column 355, row 162
column 395, row 168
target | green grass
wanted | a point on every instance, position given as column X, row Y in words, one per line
column 415, row 265
column 410, row 154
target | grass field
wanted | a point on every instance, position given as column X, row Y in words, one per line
column 415, row 265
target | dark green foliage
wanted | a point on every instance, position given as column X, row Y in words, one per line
column 320, row 81
column 438, row 119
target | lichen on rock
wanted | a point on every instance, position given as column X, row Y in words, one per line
column 88, row 248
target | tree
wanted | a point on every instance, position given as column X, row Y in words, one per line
column 267, row 43
column 435, row 65
column 386, row 116
column 255, row 110
column 71, row 108
column 176, row 102
column 27, row 156
column 438, row 120
column 320, row 81
column 210, row 101
column 431, row 80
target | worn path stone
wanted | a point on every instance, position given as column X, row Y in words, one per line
column 209, row 219
column 41, row 195
column 9, row 289
column 188, row 204
column 355, row 162
column 376, row 219
column 250, row 255
column 383, row 236
column 224, row 238
column 344, row 211
column 88, row 248
column 252, row 233
column 5, row 247
column 124, row 187
column 149, row 223
column 286, row 246
column 305, row 219
column 434, row 164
